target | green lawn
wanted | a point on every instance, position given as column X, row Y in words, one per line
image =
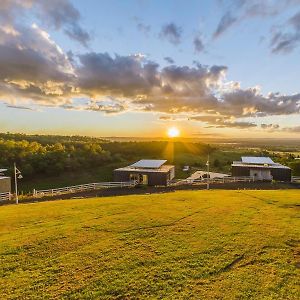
column 181, row 245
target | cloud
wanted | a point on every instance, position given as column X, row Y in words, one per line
column 122, row 76
column 169, row 60
column 114, row 107
column 295, row 129
column 286, row 41
column 172, row 33
column 166, row 118
column 251, row 102
column 144, row 28
column 57, row 14
column 241, row 10
column 226, row 22
column 32, row 66
column 198, row 44
column 219, row 121
column 19, row 107
column 35, row 70
column 269, row 126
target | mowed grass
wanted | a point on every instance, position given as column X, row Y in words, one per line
column 180, row 245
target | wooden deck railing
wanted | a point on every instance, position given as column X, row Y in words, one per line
column 5, row 196
column 83, row 187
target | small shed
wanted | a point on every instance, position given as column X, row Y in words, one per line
column 261, row 168
column 5, row 182
column 150, row 172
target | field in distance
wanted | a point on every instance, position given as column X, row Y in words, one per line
column 181, row 245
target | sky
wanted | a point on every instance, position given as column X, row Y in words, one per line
column 138, row 67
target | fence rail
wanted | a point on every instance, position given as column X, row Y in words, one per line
column 296, row 179
column 212, row 180
column 5, row 196
column 83, row 187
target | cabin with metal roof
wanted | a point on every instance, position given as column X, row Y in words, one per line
column 261, row 169
column 5, row 182
column 152, row 172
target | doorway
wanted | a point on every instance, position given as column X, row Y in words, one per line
column 140, row 178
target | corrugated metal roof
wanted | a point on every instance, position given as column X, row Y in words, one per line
column 149, row 163
column 257, row 160
column 3, row 170
column 162, row 169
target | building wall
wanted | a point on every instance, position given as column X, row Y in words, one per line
column 278, row 174
column 154, row 178
column 261, row 174
column 172, row 173
column 282, row 174
column 240, row 171
column 5, row 185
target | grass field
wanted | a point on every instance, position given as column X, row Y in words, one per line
column 181, row 245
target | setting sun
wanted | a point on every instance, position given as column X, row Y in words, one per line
column 173, row 132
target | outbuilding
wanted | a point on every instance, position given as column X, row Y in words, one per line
column 261, row 169
column 5, row 183
column 146, row 171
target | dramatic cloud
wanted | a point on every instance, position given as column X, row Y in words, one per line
column 35, row 71
column 172, row 33
column 198, row 44
column 58, row 14
column 125, row 76
column 32, row 66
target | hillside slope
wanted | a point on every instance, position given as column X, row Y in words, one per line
column 180, row 245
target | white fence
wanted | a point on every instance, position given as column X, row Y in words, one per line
column 212, row 180
column 83, row 187
column 5, row 196
column 296, row 179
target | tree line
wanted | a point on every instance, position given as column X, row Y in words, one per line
column 53, row 155
column 34, row 158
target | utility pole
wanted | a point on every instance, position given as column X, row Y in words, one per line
column 17, row 175
column 16, row 184
column 207, row 164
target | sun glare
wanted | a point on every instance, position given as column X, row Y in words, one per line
column 173, row 132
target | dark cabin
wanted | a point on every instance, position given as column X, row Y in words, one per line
column 150, row 172
column 261, row 169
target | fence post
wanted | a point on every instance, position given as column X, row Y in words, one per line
column 52, row 192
